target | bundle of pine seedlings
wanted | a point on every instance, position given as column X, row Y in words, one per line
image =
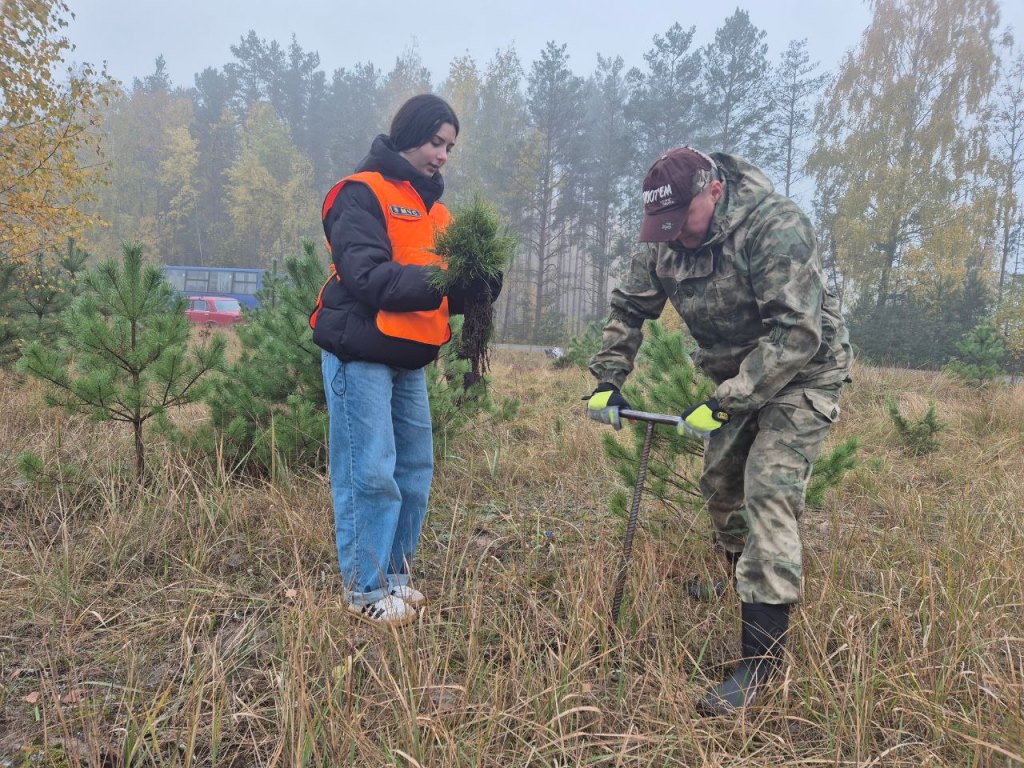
column 476, row 247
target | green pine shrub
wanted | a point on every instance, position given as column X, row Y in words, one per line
column 666, row 381
column 582, row 347
column 663, row 381
column 829, row 470
column 124, row 355
column 48, row 285
column 268, row 413
column 918, row 437
column 10, row 337
column 981, row 353
column 34, row 296
column 453, row 404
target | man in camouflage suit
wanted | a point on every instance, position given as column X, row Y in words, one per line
column 739, row 262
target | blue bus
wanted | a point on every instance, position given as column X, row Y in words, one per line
column 234, row 282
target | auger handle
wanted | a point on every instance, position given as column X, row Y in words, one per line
column 655, row 418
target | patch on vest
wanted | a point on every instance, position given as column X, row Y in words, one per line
column 398, row 210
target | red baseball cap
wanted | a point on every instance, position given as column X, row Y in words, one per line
column 673, row 181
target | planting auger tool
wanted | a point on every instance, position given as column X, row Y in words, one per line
column 627, row 544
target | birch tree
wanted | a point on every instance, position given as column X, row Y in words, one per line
column 271, row 203
column 49, row 114
column 1008, row 151
column 903, row 145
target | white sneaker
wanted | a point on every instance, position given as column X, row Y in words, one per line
column 413, row 597
column 388, row 610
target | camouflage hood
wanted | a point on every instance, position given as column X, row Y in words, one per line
column 745, row 189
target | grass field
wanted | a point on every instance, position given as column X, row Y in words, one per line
column 198, row 622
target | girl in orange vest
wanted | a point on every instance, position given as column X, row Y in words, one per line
column 379, row 320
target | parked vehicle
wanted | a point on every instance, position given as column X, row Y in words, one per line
column 214, row 310
column 238, row 283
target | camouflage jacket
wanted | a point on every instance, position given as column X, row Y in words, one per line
column 754, row 298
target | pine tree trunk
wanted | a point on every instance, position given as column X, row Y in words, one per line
column 140, row 456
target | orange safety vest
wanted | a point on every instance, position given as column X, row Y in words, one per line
column 411, row 230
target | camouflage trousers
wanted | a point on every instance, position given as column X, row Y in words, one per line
column 756, row 469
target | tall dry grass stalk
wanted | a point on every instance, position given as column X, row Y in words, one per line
column 197, row 622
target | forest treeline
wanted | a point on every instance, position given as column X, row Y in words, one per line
column 908, row 157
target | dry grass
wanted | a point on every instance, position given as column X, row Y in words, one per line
column 199, row 623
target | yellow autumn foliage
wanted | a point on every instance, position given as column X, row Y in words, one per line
column 48, row 129
column 270, row 198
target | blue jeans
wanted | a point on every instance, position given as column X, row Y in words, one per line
column 381, row 463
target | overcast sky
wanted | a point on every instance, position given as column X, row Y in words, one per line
column 194, row 34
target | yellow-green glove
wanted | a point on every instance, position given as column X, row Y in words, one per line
column 604, row 403
column 702, row 419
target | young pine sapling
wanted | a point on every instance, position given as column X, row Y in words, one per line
column 476, row 248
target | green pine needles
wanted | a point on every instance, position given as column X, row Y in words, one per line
column 582, row 347
column 666, row 381
column 124, row 354
column 981, row 353
column 476, row 247
column 48, row 286
column 829, row 470
column 267, row 414
column 268, row 417
column 10, row 338
column 918, row 437
column 33, row 296
column 454, row 403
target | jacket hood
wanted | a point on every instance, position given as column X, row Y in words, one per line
column 384, row 159
column 746, row 187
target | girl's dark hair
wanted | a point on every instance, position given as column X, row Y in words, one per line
column 419, row 119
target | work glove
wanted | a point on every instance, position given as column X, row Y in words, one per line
column 604, row 403
column 492, row 283
column 460, row 292
column 702, row 419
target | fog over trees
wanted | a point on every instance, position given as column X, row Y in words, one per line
column 909, row 157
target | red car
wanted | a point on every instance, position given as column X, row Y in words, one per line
column 214, row 310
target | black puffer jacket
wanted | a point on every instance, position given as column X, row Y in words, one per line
column 370, row 280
